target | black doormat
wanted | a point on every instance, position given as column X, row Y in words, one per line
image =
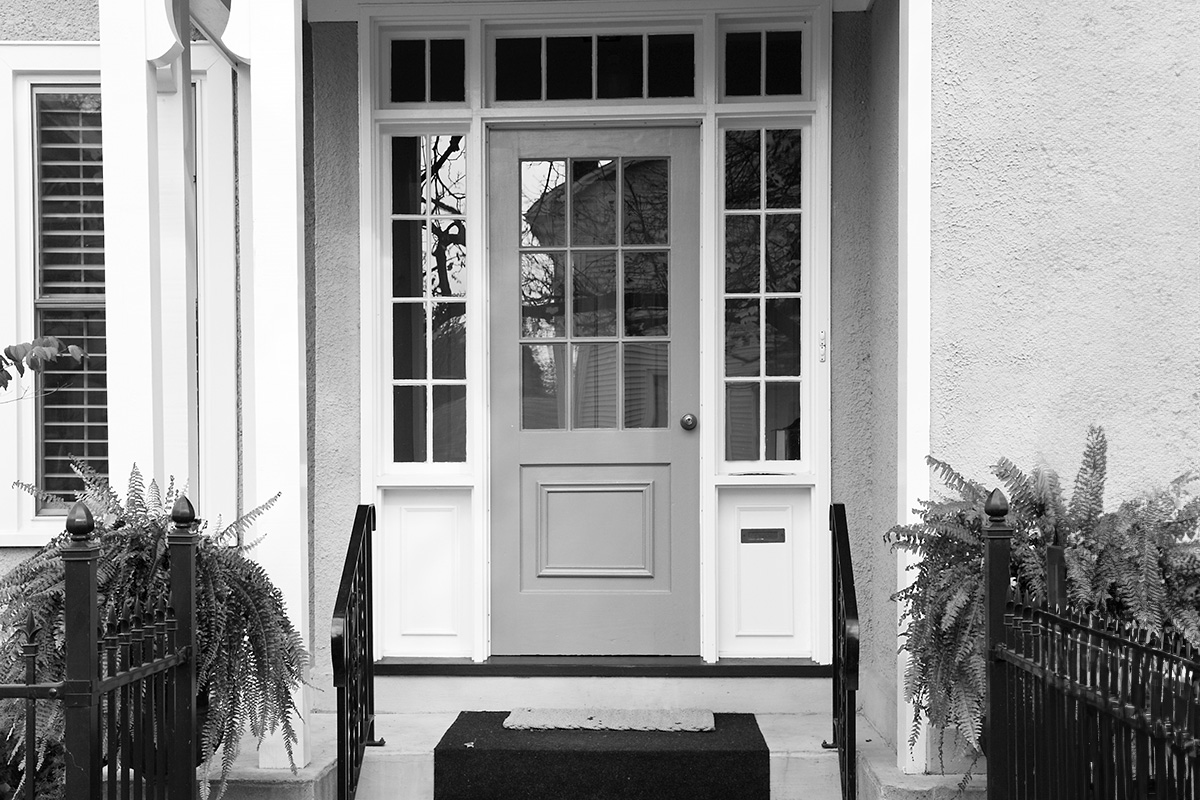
column 479, row 759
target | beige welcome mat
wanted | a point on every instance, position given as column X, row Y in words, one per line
column 610, row 719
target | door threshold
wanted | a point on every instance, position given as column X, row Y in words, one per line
column 606, row 667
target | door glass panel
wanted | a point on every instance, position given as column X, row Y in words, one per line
column 450, row 341
column 408, row 423
column 449, row 423
column 543, row 398
column 447, row 258
column 741, row 338
column 782, row 153
column 406, row 174
column 783, row 336
column 407, row 263
column 593, row 202
column 543, row 203
column 741, row 421
column 594, row 294
column 594, row 385
column 408, row 341
column 741, row 253
column 446, row 175
column 646, row 293
column 743, row 166
column 783, row 253
column 645, row 198
column 783, row 421
column 646, row 388
column 543, row 295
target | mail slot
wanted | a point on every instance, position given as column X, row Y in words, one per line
column 763, row 536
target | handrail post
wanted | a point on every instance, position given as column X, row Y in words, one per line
column 81, row 621
column 182, row 541
column 368, row 580
column 996, row 586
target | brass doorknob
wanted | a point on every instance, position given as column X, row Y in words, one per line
column 688, row 422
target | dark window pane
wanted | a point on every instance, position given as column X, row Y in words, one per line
column 619, row 66
column 594, row 386
column 406, row 175
column 408, row 423
column 446, row 174
column 743, row 169
column 741, row 253
column 646, row 200
column 741, row 421
column 783, row 336
column 447, row 258
column 646, row 385
column 782, row 153
column 783, row 253
column 450, row 340
column 672, row 65
column 408, row 341
column 543, row 203
column 647, row 294
column 594, row 294
column 519, row 69
column 569, row 68
column 593, row 202
column 407, row 263
column 783, row 421
column 447, row 71
column 783, row 62
column 449, row 423
column 741, row 338
column 743, row 64
column 543, row 396
column 408, row 71
column 543, row 294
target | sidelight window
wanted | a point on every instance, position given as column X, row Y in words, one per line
column 763, row 295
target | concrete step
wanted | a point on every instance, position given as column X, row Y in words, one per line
column 403, row 768
column 444, row 694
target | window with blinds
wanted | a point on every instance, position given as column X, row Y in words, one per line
column 69, row 301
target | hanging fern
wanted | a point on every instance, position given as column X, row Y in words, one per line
column 250, row 657
column 1139, row 564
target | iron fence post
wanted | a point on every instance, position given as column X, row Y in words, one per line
column 81, row 621
column 182, row 541
column 1056, row 577
column 996, row 585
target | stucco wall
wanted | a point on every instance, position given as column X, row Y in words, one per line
column 49, row 20
column 333, row 321
column 864, row 318
column 1066, row 235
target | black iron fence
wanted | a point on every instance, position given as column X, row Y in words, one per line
column 352, row 644
column 129, row 694
column 845, row 652
column 1082, row 707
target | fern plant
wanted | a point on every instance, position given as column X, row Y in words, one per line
column 250, row 657
column 1140, row 564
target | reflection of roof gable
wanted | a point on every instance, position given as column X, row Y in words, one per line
column 554, row 199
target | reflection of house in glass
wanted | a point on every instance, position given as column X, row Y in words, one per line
column 595, row 290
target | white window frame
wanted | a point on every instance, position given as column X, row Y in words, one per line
column 23, row 66
column 379, row 120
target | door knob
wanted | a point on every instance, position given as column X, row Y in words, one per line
column 688, row 422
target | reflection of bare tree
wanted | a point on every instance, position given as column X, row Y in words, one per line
column 742, row 169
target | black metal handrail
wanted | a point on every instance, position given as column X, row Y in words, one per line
column 845, row 652
column 353, row 653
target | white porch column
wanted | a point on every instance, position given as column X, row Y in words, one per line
column 129, row 106
column 915, row 142
column 275, row 405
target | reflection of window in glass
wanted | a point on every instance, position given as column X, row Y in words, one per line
column 595, row 291
column 72, row 405
column 763, row 294
column 637, row 66
column 429, row 306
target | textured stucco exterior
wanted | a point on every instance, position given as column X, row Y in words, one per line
column 49, row 20
column 864, row 333
column 334, row 326
column 1066, row 236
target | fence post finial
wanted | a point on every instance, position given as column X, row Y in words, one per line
column 80, row 523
